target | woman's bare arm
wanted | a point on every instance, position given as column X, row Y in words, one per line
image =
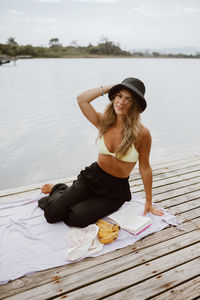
column 86, row 97
column 146, row 172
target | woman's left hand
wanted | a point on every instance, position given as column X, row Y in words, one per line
column 154, row 210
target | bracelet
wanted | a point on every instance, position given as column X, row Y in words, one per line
column 102, row 90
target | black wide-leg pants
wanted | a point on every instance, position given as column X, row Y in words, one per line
column 94, row 195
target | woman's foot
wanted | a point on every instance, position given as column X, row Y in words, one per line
column 47, row 188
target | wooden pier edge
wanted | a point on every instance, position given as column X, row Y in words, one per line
column 164, row 265
column 68, row 180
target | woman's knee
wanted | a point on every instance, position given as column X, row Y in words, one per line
column 51, row 216
column 77, row 218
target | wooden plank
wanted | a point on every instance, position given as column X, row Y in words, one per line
column 164, row 173
column 34, row 192
column 192, row 214
column 42, row 277
column 169, row 203
column 167, row 280
column 24, row 195
column 165, row 235
column 36, row 186
column 113, row 267
column 172, row 189
column 171, row 196
column 185, row 206
column 177, row 162
column 125, row 279
column 27, row 191
column 180, row 160
column 172, row 182
column 189, row 290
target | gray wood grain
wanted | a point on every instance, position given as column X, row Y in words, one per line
column 164, row 265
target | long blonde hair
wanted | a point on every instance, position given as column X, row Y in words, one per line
column 132, row 125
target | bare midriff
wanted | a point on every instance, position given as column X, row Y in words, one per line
column 114, row 166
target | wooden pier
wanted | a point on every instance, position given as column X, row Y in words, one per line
column 161, row 266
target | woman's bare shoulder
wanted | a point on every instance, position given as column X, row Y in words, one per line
column 100, row 115
column 145, row 137
column 144, row 143
column 145, row 132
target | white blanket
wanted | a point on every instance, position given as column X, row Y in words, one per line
column 29, row 244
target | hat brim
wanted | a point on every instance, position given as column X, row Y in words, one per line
column 132, row 90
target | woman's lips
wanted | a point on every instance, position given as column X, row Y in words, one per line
column 119, row 107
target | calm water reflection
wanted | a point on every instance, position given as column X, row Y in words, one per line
column 44, row 135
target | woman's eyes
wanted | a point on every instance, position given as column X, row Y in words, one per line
column 127, row 100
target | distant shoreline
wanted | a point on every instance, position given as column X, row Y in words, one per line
column 5, row 57
column 114, row 56
column 104, row 49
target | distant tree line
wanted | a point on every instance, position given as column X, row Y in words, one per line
column 56, row 49
column 163, row 55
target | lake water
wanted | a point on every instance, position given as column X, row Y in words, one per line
column 44, row 135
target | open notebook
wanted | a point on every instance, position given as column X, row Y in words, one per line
column 128, row 220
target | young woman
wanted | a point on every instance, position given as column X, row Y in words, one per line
column 103, row 187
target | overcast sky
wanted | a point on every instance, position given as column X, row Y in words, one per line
column 132, row 23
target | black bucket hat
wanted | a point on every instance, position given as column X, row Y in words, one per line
column 134, row 86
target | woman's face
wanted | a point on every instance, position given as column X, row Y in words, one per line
column 122, row 102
